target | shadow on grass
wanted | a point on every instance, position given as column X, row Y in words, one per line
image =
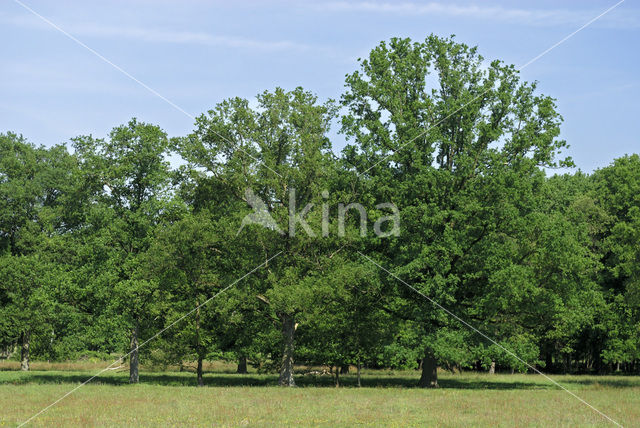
column 220, row 379
column 258, row 380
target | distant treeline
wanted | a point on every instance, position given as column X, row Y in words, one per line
column 103, row 243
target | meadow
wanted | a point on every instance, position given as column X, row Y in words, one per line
column 386, row 398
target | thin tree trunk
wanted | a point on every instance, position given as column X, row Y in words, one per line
column 344, row 369
column 429, row 378
column 133, row 356
column 24, row 352
column 242, row 365
column 492, row 368
column 288, row 334
column 338, row 377
column 199, row 347
column 200, row 381
column 358, row 373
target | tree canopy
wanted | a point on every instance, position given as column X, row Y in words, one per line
column 444, row 193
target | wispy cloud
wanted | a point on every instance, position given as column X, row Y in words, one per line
column 183, row 37
column 156, row 35
column 39, row 76
column 539, row 17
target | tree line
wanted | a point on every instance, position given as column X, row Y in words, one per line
column 103, row 243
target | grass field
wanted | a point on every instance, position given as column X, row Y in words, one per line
column 169, row 398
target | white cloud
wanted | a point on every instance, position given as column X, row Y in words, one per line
column 182, row 37
column 616, row 18
column 38, row 76
column 154, row 35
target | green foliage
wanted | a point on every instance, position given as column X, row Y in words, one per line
column 109, row 243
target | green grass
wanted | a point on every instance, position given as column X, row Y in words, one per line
column 388, row 398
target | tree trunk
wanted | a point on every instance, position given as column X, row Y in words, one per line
column 344, row 369
column 492, row 368
column 24, row 352
column 133, row 356
column 337, row 377
column 242, row 365
column 429, row 378
column 199, row 347
column 286, row 368
column 199, row 370
column 358, row 373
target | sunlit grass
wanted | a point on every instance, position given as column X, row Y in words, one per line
column 390, row 398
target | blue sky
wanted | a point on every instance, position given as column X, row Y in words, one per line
column 196, row 53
